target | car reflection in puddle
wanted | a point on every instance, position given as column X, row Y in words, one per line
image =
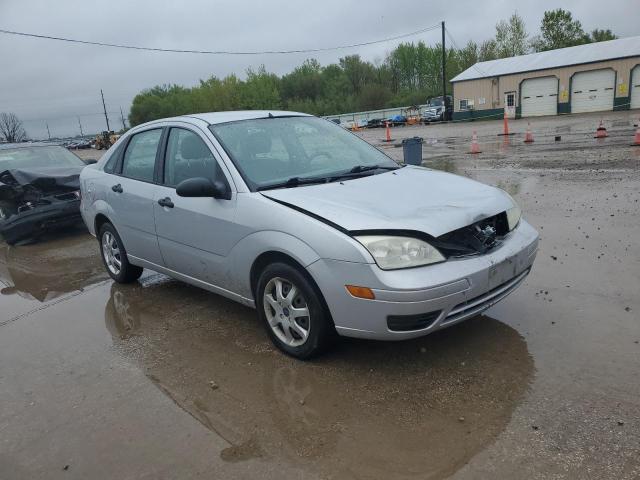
column 368, row 410
column 45, row 271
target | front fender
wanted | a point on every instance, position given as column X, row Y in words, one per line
column 245, row 252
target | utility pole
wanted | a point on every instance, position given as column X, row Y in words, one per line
column 444, row 74
column 80, row 124
column 124, row 125
column 48, row 132
column 105, row 110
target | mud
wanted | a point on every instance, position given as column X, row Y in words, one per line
column 162, row 380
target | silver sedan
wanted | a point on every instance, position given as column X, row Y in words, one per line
column 318, row 230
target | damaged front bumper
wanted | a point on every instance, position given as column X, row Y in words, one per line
column 32, row 222
column 414, row 302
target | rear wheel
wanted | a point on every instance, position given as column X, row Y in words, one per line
column 114, row 256
column 293, row 312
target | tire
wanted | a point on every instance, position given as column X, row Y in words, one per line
column 113, row 252
column 278, row 310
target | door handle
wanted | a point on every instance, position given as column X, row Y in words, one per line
column 165, row 202
column 117, row 188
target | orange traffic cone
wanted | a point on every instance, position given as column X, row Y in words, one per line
column 601, row 131
column 505, row 126
column 388, row 131
column 528, row 137
column 636, row 139
column 475, row 147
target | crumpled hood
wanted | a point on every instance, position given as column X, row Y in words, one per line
column 411, row 198
column 45, row 179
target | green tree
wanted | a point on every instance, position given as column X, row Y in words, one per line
column 601, row 35
column 559, row 30
column 511, row 37
column 468, row 56
column 488, row 51
column 260, row 91
column 357, row 72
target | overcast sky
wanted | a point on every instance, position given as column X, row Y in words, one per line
column 44, row 80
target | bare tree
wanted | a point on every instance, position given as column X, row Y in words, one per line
column 11, row 128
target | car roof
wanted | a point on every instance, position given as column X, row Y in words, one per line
column 11, row 146
column 213, row 118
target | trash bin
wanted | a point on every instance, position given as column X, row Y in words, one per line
column 412, row 150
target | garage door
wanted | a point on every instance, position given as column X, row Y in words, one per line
column 635, row 87
column 592, row 91
column 539, row 96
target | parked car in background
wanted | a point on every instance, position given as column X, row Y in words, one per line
column 318, row 230
column 39, row 189
column 436, row 111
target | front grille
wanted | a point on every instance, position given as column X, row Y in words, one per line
column 484, row 301
column 406, row 323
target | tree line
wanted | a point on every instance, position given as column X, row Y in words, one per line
column 409, row 75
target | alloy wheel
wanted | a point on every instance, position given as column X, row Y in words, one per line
column 287, row 311
column 111, row 253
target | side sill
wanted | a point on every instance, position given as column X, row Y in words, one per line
column 193, row 281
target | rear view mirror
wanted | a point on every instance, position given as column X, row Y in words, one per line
column 203, row 187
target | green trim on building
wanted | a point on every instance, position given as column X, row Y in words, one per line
column 487, row 114
column 622, row 103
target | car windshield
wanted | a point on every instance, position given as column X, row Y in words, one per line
column 270, row 151
column 435, row 102
column 37, row 157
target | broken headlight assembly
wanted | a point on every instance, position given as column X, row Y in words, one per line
column 392, row 253
column 513, row 216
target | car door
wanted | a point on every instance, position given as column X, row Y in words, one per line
column 195, row 234
column 131, row 194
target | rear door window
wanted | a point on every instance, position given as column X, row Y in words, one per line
column 140, row 156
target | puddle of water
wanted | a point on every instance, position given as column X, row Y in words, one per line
column 378, row 409
column 45, row 271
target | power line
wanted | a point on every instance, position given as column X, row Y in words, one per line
column 218, row 52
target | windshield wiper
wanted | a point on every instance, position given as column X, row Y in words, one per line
column 359, row 170
column 366, row 168
column 298, row 181
column 294, row 182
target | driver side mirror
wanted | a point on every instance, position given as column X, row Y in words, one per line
column 203, row 187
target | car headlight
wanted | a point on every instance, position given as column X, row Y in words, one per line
column 513, row 216
column 391, row 253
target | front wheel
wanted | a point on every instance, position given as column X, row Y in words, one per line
column 114, row 256
column 293, row 313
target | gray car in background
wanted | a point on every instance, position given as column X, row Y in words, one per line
column 315, row 228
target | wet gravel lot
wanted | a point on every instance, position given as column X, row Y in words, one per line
column 162, row 380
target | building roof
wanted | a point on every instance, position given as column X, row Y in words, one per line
column 562, row 57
